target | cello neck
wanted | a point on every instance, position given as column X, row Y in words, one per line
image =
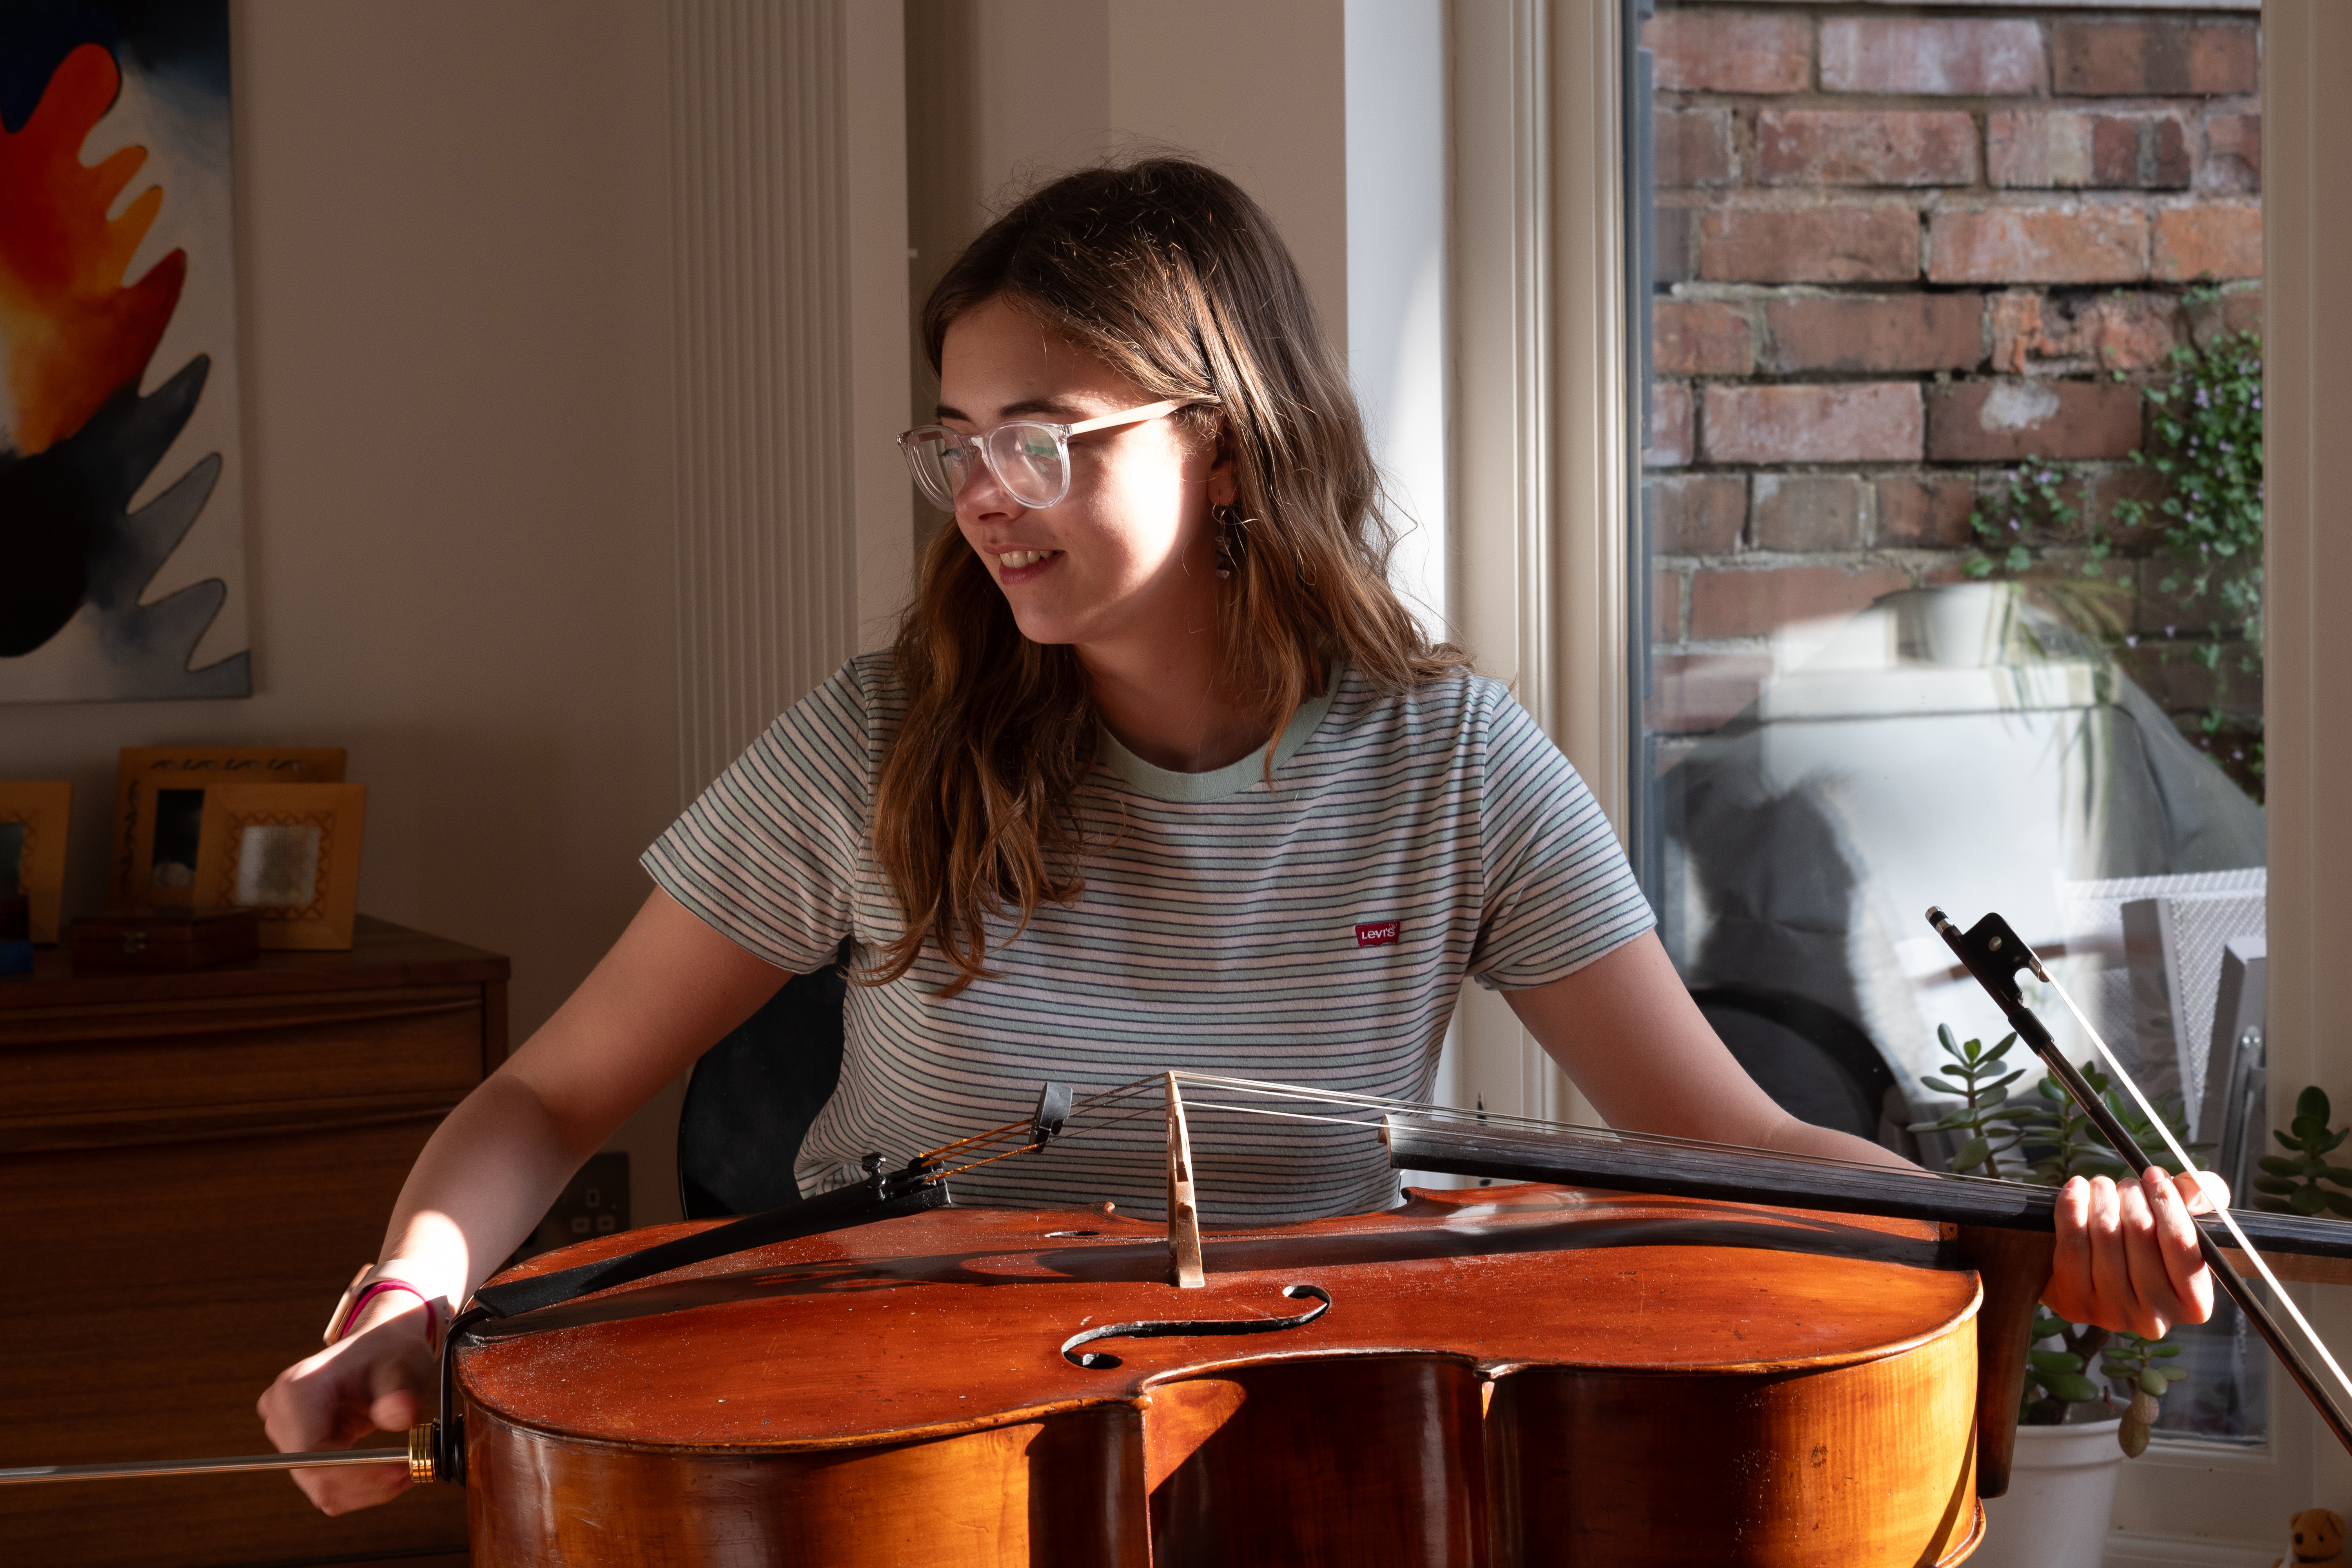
column 1594, row 1159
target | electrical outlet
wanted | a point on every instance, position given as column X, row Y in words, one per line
column 595, row 1203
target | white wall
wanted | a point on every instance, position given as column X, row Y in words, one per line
column 454, row 336
column 1002, row 93
column 1397, row 283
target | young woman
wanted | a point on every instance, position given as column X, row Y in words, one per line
column 1158, row 774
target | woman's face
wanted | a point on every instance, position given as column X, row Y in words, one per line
column 1128, row 554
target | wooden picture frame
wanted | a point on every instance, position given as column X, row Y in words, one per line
column 151, row 788
column 291, row 853
column 35, row 816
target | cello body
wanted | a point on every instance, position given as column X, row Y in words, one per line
column 1502, row 1376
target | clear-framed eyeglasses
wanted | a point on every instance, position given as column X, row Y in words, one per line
column 1029, row 458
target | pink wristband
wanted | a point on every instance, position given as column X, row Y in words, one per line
column 371, row 1291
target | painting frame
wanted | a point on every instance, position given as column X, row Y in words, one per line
column 339, row 813
column 46, row 809
column 122, row 431
column 143, row 771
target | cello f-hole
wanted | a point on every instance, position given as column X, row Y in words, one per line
column 1103, row 1360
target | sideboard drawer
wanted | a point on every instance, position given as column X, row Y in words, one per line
column 144, row 1057
column 193, row 1163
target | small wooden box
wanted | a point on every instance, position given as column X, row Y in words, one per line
column 165, row 939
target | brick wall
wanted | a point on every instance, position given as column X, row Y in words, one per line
column 1897, row 252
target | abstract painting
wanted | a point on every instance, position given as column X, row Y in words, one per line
column 121, row 511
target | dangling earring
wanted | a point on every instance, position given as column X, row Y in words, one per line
column 1225, row 539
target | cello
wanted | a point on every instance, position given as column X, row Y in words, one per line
column 1524, row 1374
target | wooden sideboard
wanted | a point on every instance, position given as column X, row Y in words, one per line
column 191, row 1166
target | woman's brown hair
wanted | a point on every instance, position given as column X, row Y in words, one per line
column 1169, row 273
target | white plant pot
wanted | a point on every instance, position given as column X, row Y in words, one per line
column 2061, row 1488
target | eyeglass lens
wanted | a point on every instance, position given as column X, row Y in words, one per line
column 1029, row 460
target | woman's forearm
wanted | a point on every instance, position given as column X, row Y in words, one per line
column 479, row 1189
column 669, row 988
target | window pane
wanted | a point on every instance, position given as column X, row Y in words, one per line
column 1952, row 537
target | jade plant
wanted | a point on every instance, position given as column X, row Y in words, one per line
column 2045, row 1140
column 2289, row 1182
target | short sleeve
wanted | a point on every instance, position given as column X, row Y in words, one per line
column 1558, row 893
column 770, row 853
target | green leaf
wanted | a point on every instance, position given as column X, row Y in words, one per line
column 2341, row 1203
column 1971, row 1154
column 2307, row 1201
column 1941, row 1087
column 2278, row 1165
column 2072, row 1387
column 2165, row 1349
column 2055, row 1361
column 2311, row 1104
column 2151, row 1383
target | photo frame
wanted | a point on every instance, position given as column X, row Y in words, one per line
column 291, row 853
column 161, row 789
column 33, row 819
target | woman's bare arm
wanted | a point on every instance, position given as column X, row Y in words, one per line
column 1629, row 1036
column 1625, row 1029
column 670, row 988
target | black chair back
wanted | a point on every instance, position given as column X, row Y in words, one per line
column 754, row 1095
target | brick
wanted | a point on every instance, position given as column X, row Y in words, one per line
column 1858, row 244
column 2177, row 612
column 2150, row 56
column 2139, row 151
column 2046, row 149
column 1908, row 333
column 1699, row 514
column 1731, row 601
column 1854, row 422
column 2038, row 245
column 2135, row 483
column 1924, row 513
column 2016, row 330
column 2001, row 421
column 1665, row 606
column 2234, row 307
column 1894, row 55
column 1700, row 337
column 1810, row 512
column 1690, row 692
column 1670, row 424
column 2183, row 686
column 1856, row 147
column 1729, row 51
column 2110, row 332
column 2218, row 239
column 1693, row 147
column 2030, row 524
column 2233, row 153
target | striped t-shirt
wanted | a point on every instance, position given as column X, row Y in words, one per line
column 1311, row 931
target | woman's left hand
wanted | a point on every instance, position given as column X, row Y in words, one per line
column 2127, row 1257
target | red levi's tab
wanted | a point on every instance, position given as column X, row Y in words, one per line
column 1381, row 935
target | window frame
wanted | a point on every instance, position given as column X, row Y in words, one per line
column 1544, row 471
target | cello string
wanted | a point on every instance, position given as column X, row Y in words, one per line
column 2253, row 1255
column 1663, row 1142
column 997, row 1134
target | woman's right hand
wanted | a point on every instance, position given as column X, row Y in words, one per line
column 380, row 1378
column 669, row 987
